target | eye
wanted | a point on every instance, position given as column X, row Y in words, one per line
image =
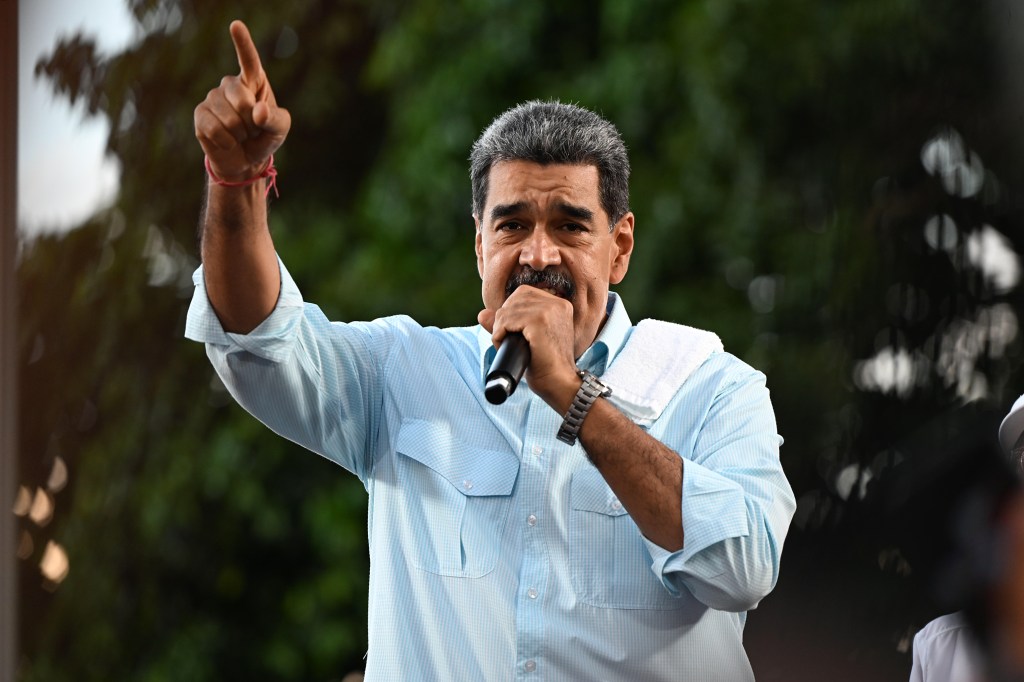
column 510, row 226
column 574, row 227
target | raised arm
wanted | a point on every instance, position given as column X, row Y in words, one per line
column 239, row 126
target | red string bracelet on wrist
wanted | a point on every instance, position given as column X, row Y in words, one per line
column 268, row 172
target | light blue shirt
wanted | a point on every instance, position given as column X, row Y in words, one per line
column 496, row 551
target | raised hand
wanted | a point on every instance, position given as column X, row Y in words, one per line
column 239, row 124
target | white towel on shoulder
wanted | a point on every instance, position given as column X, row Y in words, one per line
column 658, row 358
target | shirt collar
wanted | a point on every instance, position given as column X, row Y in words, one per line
column 609, row 341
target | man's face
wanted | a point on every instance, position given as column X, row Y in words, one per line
column 543, row 225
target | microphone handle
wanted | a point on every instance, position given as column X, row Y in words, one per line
column 508, row 368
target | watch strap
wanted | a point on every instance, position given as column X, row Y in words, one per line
column 590, row 390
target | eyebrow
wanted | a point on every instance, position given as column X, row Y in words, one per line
column 577, row 212
column 505, row 210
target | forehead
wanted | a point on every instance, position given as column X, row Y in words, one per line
column 538, row 184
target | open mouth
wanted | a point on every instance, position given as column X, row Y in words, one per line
column 552, row 281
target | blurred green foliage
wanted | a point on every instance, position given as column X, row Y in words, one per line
column 780, row 200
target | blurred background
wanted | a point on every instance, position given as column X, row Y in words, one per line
column 833, row 187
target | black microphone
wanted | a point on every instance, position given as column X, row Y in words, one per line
column 508, row 368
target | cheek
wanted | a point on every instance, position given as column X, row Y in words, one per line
column 495, row 266
column 494, row 273
column 590, row 275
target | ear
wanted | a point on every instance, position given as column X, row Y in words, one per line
column 479, row 248
column 622, row 248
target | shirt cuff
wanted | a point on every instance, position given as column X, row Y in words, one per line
column 272, row 339
column 713, row 508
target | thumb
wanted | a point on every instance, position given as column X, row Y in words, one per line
column 272, row 119
column 486, row 319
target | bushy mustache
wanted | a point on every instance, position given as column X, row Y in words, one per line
column 559, row 282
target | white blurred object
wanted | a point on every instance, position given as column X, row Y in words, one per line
column 1012, row 426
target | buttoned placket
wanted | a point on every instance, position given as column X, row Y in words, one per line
column 541, row 425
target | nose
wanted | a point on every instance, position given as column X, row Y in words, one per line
column 539, row 250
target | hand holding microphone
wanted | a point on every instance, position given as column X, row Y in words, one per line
column 547, row 321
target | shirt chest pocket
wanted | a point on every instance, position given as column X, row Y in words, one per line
column 456, row 498
column 610, row 564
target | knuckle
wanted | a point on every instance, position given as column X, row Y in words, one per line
column 201, row 121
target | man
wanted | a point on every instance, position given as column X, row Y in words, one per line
column 947, row 648
column 557, row 535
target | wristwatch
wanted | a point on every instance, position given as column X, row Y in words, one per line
column 591, row 389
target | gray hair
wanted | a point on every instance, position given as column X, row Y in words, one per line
column 552, row 132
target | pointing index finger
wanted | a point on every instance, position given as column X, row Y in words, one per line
column 248, row 57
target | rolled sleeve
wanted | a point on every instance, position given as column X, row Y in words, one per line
column 271, row 340
column 736, row 502
column 713, row 508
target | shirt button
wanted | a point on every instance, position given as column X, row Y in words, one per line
column 532, row 593
column 468, row 485
column 531, row 520
column 616, row 505
column 537, row 449
column 530, row 666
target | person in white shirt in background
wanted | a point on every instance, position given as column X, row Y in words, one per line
column 946, row 649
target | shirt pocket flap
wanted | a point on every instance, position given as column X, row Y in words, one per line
column 474, row 470
column 590, row 492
